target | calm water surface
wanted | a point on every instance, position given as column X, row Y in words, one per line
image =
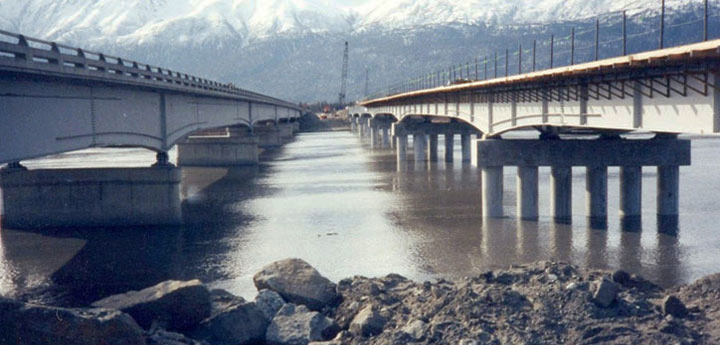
column 348, row 209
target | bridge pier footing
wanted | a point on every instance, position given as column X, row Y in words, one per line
column 596, row 156
column 117, row 197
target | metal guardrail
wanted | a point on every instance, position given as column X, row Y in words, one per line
column 25, row 54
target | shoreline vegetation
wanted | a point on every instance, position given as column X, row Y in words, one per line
column 539, row 303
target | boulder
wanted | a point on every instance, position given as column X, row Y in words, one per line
column 173, row 305
column 604, row 293
column 297, row 282
column 415, row 329
column 672, row 305
column 30, row 324
column 221, row 300
column 163, row 337
column 621, row 277
column 297, row 325
column 237, row 324
column 367, row 322
column 269, row 302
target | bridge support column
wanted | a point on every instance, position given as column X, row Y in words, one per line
column 374, row 133
column 630, row 195
column 361, row 127
column 218, row 152
column 596, row 194
column 353, row 124
column 401, row 144
column 286, row 132
column 433, row 147
column 385, row 137
column 91, row 197
column 268, row 136
column 465, row 145
column 449, row 147
column 419, row 147
column 492, row 191
column 527, row 190
column 561, row 193
column 668, row 190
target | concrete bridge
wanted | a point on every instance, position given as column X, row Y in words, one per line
column 56, row 98
column 581, row 114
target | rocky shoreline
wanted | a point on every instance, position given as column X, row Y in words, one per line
column 541, row 303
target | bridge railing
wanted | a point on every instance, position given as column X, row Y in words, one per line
column 21, row 53
column 581, row 41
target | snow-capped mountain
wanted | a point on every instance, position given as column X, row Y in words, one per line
column 293, row 48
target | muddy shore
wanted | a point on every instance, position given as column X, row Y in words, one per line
column 541, row 303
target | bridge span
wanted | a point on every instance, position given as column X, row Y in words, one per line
column 55, row 98
column 581, row 113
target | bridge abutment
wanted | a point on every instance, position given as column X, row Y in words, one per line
column 596, row 156
column 115, row 197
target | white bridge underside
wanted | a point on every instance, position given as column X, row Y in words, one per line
column 42, row 117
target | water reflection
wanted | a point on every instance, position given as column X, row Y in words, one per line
column 349, row 210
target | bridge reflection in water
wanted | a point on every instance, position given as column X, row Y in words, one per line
column 348, row 210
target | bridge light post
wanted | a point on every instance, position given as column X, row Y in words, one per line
column 496, row 71
column 662, row 24
column 534, row 51
column 624, row 33
column 520, row 59
column 572, row 46
column 552, row 49
column 705, row 22
column 507, row 61
column 597, row 39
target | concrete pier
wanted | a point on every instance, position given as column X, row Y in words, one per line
column 561, row 193
column 218, row 151
column 374, row 134
column 268, row 136
column 527, row 192
column 433, row 147
column 668, row 190
column 492, row 192
column 596, row 193
column 385, row 137
column 596, row 156
column 401, row 144
column 449, row 147
column 465, row 145
column 287, row 132
column 117, row 197
column 419, row 147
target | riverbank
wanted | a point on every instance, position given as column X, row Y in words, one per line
column 541, row 303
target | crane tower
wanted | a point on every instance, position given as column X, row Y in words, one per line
column 343, row 83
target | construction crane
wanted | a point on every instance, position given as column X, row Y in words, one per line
column 343, row 83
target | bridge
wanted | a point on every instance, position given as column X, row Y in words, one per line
column 581, row 113
column 55, row 98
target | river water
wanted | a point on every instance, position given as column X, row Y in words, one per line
column 347, row 209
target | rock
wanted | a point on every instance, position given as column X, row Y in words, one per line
column 367, row 322
column 621, row 277
column 30, row 324
column 604, row 293
column 672, row 305
column 468, row 342
column 236, row 325
column 222, row 300
column 269, row 302
column 297, row 325
column 173, row 305
column 415, row 329
column 571, row 286
column 342, row 338
column 297, row 282
column 163, row 337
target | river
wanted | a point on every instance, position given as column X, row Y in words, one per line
column 350, row 210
